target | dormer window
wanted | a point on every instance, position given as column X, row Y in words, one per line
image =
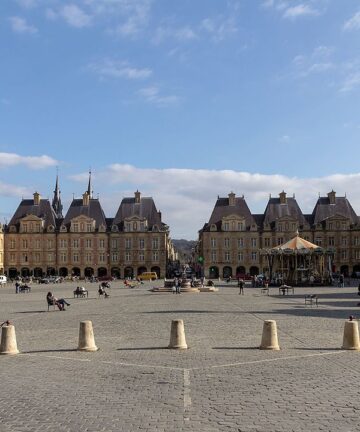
column 88, row 227
column 13, row 228
column 114, row 228
column 63, row 228
column 102, row 228
column 213, row 227
column 135, row 226
column 50, row 228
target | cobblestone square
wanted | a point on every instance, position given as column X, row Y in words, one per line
column 223, row 382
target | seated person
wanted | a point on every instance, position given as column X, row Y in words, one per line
column 60, row 303
column 102, row 291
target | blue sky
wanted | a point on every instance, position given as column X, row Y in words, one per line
column 183, row 100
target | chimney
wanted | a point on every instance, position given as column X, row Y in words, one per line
column 86, row 199
column 332, row 197
column 231, row 199
column 36, row 198
column 282, row 196
column 159, row 213
column 137, row 197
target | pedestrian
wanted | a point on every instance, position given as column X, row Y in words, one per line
column 17, row 286
column 177, row 286
column 241, row 286
column 341, row 281
column 312, row 280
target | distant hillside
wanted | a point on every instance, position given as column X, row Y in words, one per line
column 184, row 247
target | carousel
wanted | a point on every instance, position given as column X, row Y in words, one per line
column 299, row 262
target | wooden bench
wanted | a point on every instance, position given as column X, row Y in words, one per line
column 311, row 299
column 82, row 294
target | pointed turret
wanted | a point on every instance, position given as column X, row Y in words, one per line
column 89, row 191
column 56, row 202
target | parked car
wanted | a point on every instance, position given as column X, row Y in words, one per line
column 3, row 280
column 147, row 276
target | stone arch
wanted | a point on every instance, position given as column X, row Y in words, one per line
column 213, row 272
column 227, row 272
column 156, row 269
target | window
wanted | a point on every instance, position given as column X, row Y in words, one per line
column 50, row 256
column 101, row 243
column 253, row 256
column 226, row 242
column 88, row 227
column 76, row 243
column 293, row 226
column 101, row 257
column 280, row 227
column 24, row 257
column 76, row 227
column 141, row 243
column 266, row 242
column 318, row 241
column 240, row 256
column 76, row 258
column 142, row 226
column 141, row 256
column 213, row 242
column 253, row 242
column 114, row 257
column 127, row 256
column 155, row 243
column 135, row 226
column 344, row 254
column 240, row 243
column 127, row 226
column 37, row 244
column 37, row 257
column 128, row 243
column 37, row 228
column 280, row 241
column 50, row 244
column 331, row 241
column 155, row 256
column 343, row 226
column 63, row 243
column 343, row 241
column 63, row 257
column 213, row 256
column 241, row 226
column 356, row 241
column 227, row 256
column 114, row 243
column 24, row 228
column 12, row 257
column 88, row 243
column 330, row 226
column 12, row 244
column 357, row 254
column 24, row 244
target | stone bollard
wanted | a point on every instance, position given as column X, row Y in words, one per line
column 86, row 337
column 177, row 335
column 8, row 340
column 269, row 338
column 351, row 336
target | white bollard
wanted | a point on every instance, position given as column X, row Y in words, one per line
column 177, row 335
column 269, row 340
column 8, row 340
column 86, row 337
column 351, row 336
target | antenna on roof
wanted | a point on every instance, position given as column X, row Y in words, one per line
column 319, row 194
column 293, row 195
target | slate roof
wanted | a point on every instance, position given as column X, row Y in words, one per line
column 274, row 210
column 93, row 211
column 323, row 210
column 44, row 211
column 144, row 209
column 222, row 209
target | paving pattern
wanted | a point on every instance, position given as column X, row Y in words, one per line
column 223, row 382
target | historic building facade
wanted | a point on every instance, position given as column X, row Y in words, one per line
column 230, row 243
column 1, row 250
column 39, row 241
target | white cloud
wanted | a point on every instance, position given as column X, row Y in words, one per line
column 299, row 11
column 182, row 34
column 353, row 23
column 28, row 4
column 20, row 25
column 75, row 16
column 32, row 162
column 119, row 69
column 153, row 95
column 220, row 28
column 10, row 190
column 351, row 83
column 186, row 197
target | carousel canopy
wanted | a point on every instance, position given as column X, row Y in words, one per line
column 297, row 243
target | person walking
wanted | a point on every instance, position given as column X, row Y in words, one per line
column 241, row 286
column 177, row 286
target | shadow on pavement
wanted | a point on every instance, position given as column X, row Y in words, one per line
column 48, row 351
column 143, row 349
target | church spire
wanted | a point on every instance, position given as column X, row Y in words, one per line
column 56, row 202
column 89, row 191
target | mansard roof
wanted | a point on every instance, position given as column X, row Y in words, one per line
column 223, row 208
column 43, row 211
column 276, row 210
column 93, row 211
column 342, row 207
column 144, row 208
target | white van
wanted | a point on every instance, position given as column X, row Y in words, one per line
column 3, row 280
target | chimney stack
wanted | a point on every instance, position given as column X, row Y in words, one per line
column 36, row 198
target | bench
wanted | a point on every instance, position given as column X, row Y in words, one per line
column 285, row 289
column 311, row 299
column 24, row 288
column 82, row 294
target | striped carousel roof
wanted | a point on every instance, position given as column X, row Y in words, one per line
column 297, row 243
